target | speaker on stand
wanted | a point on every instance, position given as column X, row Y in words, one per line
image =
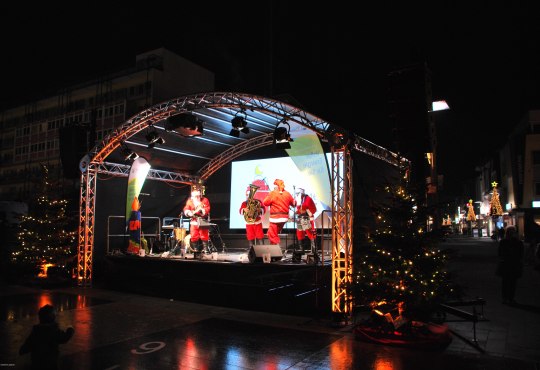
column 265, row 253
column 73, row 145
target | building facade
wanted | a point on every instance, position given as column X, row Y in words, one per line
column 58, row 130
column 516, row 169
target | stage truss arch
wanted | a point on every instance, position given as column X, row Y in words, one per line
column 264, row 114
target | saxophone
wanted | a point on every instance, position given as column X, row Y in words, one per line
column 253, row 206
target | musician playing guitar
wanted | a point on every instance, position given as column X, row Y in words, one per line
column 198, row 208
column 305, row 225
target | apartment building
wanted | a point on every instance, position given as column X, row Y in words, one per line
column 58, row 130
column 516, row 169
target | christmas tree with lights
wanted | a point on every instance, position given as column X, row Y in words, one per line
column 399, row 262
column 496, row 209
column 471, row 216
column 46, row 235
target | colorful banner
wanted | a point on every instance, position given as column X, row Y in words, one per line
column 134, row 228
column 137, row 175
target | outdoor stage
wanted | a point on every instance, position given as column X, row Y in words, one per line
column 291, row 285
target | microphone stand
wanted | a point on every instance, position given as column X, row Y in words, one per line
column 295, row 238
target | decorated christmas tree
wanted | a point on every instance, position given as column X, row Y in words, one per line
column 471, row 216
column 399, row 262
column 496, row 209
column 46, row 235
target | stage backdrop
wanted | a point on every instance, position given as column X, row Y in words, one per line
column 306, row 167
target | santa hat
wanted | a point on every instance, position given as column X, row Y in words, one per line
column 280, row 184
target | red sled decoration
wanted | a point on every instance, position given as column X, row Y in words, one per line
column 414, row 334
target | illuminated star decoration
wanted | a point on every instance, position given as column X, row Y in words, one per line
column 496, row 208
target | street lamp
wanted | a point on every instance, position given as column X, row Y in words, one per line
column 439, row 105
column 432, row 184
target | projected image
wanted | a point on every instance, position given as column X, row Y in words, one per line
column 307, row 172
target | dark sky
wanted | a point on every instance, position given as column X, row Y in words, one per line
column 485, row 61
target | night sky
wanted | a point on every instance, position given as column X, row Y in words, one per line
column 485, row 61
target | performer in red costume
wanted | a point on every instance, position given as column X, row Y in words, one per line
column 197, row 207
column 254, row 229
column 305, row 224
column 279, row 200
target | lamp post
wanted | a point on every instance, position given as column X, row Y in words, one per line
column 433, row 183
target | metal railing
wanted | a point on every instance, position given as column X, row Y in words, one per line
column 326, row 230
column 156, row 234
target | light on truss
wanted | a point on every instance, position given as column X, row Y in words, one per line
column 129, row 155
column 282, row 136
column 184, row 124
column 239, row 124
column 153, row 138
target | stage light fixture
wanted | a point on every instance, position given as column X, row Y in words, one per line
column 184, row 124
column 132, row 156
column 337, row 138
column 153, row 138
column 282, row 136
column 129, row 155
column 239, row 124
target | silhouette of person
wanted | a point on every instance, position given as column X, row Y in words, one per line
column 511, row 263
column 44, row 340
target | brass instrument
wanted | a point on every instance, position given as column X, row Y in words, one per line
column 253, row 206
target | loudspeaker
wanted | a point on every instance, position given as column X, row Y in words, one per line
column 73, row 146
column 265, row 253
column 158, row 247
column 312, row 258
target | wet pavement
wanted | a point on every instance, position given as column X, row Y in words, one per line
column 116, row 330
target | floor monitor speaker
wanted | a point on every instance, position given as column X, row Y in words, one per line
column 265, row 253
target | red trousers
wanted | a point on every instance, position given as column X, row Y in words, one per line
column 273, row 232
column 311, row 233
column 197, row 233
column 254, row 231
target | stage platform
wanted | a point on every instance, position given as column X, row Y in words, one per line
column 294, row 284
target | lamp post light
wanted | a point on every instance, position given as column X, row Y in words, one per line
column 433, row 183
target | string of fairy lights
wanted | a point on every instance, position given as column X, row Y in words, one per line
column 44, row 233
column 400, row 261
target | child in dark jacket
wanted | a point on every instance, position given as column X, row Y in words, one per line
column 43, row 341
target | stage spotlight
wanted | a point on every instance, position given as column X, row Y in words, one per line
column 239, row 124
column 153, row 138
column 282, row 137
column 132, row 156
column 184, row 124
column 128, row 154
column 338, row 138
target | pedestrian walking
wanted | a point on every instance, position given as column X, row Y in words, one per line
column 44, row 340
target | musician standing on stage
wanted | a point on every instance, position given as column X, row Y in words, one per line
column 305, row 210
column 254, row 229
column 279, row 200
column 198, row 207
